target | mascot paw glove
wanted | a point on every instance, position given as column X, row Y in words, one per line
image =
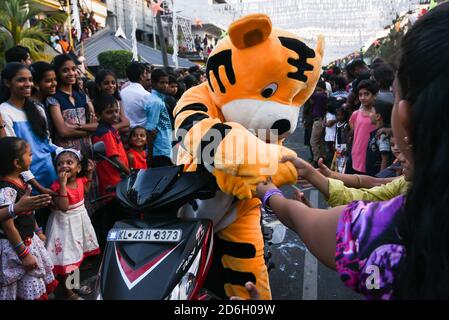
column 240, row 187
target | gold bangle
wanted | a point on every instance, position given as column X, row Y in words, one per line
column 359, row 180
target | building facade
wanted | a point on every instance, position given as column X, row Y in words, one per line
column 98, row 7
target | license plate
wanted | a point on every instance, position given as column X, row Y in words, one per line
column 144, row 235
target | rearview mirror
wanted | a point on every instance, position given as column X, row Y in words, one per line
column 99, row 150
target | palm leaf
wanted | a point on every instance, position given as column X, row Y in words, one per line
column 14, row 27
column 49, row 22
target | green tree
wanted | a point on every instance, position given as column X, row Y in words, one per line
column 116, row 60
column 15, row 28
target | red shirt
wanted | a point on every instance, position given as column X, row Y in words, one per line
column 75, row 195
column 140, row 159
column 108, row 175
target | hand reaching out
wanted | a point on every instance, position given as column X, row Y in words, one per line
column 252, row 291
column 302, row 166
column 263, row 187
column 299, row 196
column 28, row 203
column 323, row 169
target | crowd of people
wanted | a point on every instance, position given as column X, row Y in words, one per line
column 347, row 119
column 385, row 237
column 50, row 118
column 205, row 45
column 381, row 129
column 59, row 38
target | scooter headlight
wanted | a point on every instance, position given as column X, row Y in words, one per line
column 185, row 287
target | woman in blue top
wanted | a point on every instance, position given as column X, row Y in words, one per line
column 23, row 118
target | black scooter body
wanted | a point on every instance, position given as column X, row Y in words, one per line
column 142, row 270
column 151, row 270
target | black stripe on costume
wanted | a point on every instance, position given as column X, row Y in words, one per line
column 193, row 107
column 218, row 275
column 188, row 123
column 236, row 249
column 212, row 139
column 238, row 278
column 304, row 53
column 223, row 58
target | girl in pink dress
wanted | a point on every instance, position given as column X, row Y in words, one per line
column 360, row 123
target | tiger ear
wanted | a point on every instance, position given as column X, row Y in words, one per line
column 250, row 30
column 320, row 46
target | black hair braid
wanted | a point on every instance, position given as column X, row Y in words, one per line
column 36, row 119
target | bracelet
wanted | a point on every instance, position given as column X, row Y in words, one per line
column 62, row 196
column 38, row 230
column 267, row 196
column 359, row 180
column 11, row 211
column 18, row 246
column 24, row 253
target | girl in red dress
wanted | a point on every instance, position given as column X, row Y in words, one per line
column 71, row 237
column 137, row 155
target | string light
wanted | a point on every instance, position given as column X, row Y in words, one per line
column 347, row 25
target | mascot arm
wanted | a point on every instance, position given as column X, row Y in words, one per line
column 238, row 159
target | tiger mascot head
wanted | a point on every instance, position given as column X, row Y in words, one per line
column 259, row 76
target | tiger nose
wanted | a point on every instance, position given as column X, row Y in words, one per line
column 281, row 126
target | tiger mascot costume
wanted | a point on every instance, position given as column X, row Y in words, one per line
column 258, row 78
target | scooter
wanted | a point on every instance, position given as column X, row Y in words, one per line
column 157, row 253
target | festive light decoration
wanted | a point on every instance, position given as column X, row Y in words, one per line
column 432, row 5
column 156, row 7
column 199, row 22
column 223, row 34
column 422, row 12
column 347, row 25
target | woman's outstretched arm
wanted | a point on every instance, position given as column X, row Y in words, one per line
column 316, row 227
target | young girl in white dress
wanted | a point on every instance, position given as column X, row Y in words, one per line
column 70, row 236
